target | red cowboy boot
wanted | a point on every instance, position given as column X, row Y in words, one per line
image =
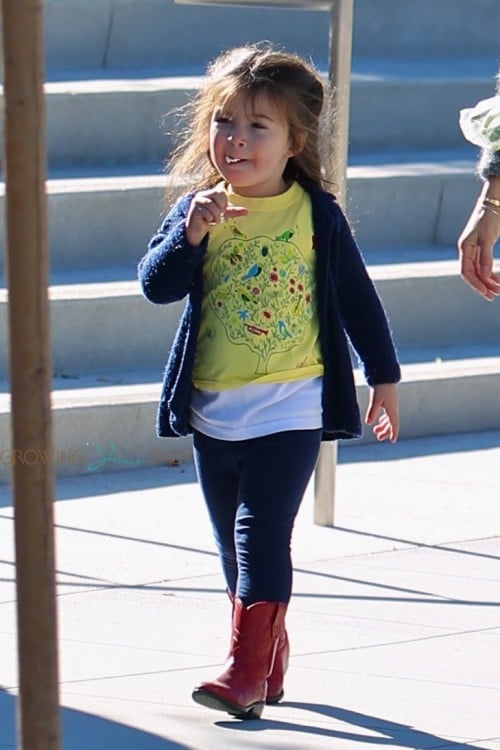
column 241, row 689
column 275, row 691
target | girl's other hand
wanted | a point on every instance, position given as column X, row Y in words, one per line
column 475, row 247
column 207, row 208
column 384, row 397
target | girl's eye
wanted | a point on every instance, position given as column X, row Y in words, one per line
column 258, row 125
column 222, row 119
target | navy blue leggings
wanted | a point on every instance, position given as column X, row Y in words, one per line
column 253, row 490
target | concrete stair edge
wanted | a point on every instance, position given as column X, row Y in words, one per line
column 108, row 38
column 94, row 425
column 82, row 116
column 379, row 196
column 105, row 326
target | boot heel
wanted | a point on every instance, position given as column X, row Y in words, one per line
column 218, row 703
column 272, row 700
column 255, row 712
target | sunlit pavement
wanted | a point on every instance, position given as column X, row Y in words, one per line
column 394, row 622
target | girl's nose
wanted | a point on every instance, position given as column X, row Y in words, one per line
column 237, row 137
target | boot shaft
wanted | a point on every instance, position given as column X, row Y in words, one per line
column 256, row 632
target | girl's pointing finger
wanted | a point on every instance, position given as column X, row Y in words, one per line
column 233, row 212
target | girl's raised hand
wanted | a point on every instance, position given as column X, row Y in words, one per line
column 384, row 397
column 207, row 208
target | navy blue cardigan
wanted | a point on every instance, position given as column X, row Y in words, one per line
column 347, row 303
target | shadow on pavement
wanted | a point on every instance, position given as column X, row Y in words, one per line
column 83, row 731
column 352, row 453
column 377, row 731
column 131, row 479
column 111, row 482
column 420, row 545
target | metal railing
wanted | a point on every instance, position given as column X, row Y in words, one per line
column 339, row 75
column 299, row 4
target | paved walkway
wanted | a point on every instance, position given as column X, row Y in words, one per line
column 394, row 623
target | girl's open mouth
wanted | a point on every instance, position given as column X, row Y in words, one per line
column 232, row 160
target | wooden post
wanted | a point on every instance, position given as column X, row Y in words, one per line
column 336, row 165
column 30, row 374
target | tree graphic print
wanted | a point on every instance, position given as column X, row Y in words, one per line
column 261, row 291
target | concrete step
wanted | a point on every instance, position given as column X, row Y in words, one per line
column 408, row 199
column 112, row 121
column 109, row 326
column 82, row 115
column 428, row 304
column 102, row 123
column 90, row 416
column 445, row 391
column 125, row 34
column 394, row 200
column 103, row 326
column 97, row 221
column 107, row 423
column 410, row 105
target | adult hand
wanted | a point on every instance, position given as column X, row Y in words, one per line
column 384, row 399
column 476, row 243
column 209, row 207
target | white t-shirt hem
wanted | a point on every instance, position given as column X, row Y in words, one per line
column 256, row 410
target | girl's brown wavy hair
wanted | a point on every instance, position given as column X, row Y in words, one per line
column 293, row 86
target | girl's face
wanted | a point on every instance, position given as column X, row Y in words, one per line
column 250, row 145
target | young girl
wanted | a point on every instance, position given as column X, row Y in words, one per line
column 260, row 370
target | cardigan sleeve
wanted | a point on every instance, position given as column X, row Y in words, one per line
column 363, row 315
column 168, row 269
column 489, row 164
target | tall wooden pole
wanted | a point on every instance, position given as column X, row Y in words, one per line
column 336, row 164
column 30, row 373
